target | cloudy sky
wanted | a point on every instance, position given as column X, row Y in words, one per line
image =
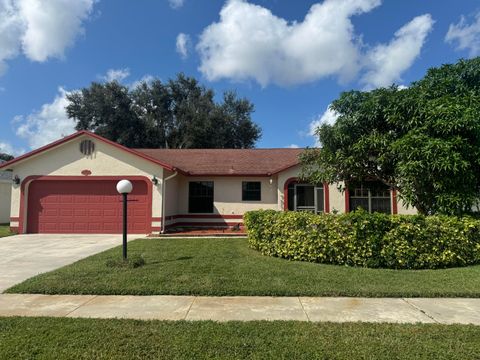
column 290, row 58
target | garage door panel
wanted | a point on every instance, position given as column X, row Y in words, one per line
column 91, row 206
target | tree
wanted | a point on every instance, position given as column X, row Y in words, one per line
column 423, row 141
column 177, row 114
column 5, row 157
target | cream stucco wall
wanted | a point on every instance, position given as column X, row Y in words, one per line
column 5, row 201
column 67, row 160
column 227, row 194
column 108, row 160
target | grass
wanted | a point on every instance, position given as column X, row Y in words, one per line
column 5, row 230
column 54, row 338
column 228, row 267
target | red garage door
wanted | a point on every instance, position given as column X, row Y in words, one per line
column 85, row 207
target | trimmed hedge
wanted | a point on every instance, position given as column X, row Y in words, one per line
column 367, row 240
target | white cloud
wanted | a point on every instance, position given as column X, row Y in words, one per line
column 249, row 42
column 467, row 36
column 116, row 75
column 11, row 28
column 48, row 124
column 293, row 146
column 7, row 148
column 176, row 4
column 183, row 44
column 328, row 117
column 386, row 63
column 41, row 29
column 145, row 78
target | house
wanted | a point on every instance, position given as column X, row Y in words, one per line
column 69, row 186
column 5, row 195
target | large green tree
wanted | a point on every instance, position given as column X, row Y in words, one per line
column 177, row 114
column 423, row 141
column 5, row 157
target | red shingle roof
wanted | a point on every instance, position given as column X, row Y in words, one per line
column 211, row 162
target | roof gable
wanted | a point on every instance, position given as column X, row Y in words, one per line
column 58, row 143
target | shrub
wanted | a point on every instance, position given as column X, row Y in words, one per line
column 368, row 240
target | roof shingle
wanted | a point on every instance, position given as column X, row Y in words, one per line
column 211, row 162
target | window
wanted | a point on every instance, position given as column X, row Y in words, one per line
column 200, row 197
column 372, row 196
column 251, row 191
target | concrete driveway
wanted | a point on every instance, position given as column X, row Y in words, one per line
column 24, row 256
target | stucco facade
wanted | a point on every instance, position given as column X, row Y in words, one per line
column 5, row 201
column 168, row 186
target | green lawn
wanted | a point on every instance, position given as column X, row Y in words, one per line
column 54, row 338
column 5, row 230
column 229, row 267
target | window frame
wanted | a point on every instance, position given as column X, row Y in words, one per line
column 200, row 196
column 244, row 190
column 365, row 192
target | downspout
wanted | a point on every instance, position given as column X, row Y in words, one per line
column 164, row 188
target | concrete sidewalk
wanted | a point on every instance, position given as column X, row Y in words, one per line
column 245, row 308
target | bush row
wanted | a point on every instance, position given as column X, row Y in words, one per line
column 368, row 240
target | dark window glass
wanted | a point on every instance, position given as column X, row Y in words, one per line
column 251, row 191
column 305, row 196
column 320, row 199
column 200, row 197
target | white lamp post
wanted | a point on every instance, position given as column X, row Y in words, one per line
column 124, row 187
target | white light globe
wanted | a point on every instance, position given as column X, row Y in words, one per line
column 124, row 187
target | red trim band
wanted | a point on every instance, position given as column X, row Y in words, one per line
column 326, row 194
column 394, row 202
column 347, row 200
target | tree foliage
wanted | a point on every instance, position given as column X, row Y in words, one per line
column 177, row 114
column 5, row 157
column 423, row 141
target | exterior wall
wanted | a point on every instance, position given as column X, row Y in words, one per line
column 337, row 199
column 67, row 160
column 5, row 201
column 403, row 210
column 172, row 194
column 227, row 194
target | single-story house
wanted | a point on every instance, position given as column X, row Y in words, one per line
column 5, row 195
column 69, row 186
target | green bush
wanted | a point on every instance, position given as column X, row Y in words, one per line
column 368, row 240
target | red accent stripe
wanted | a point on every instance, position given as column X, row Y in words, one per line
column 156, row 228
column 285, row 191
column 216, row 224
column 394, row 202
column 326, row 194
column 14, row 219
column 347, row 200
column 156, row 219
column 205, row 216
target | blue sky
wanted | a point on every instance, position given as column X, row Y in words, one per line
column 290, row 58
